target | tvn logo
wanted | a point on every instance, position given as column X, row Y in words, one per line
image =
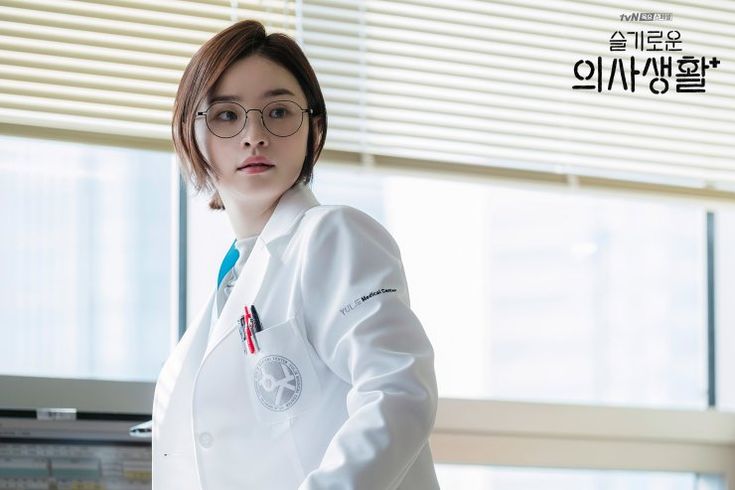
column 645, row 17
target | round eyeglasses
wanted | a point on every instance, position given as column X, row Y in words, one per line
column 280, row 117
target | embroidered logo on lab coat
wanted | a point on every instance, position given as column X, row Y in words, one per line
column 277, row 383
column 348, row 308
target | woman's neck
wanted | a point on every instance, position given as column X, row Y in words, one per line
column 249, row 219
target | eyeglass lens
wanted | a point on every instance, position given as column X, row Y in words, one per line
column 281, row 117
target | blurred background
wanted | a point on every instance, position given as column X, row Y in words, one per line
column 567, row 250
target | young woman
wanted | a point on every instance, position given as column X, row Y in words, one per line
column 306, row 369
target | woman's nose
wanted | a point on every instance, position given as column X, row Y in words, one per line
column 254, row 134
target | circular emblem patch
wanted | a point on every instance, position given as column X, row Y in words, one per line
column 277, row 383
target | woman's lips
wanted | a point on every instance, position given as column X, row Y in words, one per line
column 255, row 168
column 255, row 164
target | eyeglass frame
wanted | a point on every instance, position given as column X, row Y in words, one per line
column 308, row 110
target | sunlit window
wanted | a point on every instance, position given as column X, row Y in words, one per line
column 543, row 295
column 86, row 260
column 725, row 308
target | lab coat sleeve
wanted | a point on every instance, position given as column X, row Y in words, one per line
column 378, row 346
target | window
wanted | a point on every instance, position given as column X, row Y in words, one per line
column 594, row 301
column 548, row 295
column 86, row 260
column 725, row 308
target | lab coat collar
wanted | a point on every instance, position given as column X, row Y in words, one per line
column 292, row 204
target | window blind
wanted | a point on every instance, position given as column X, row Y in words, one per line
column 456, row 85
column 107, row 70
column 489, row 84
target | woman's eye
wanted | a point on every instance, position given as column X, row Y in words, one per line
column 278, row 113
column 227, row 116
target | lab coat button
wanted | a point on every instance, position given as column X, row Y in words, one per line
column 206, row 440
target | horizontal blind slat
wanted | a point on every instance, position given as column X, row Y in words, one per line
column 62, row 64
column 86, row 80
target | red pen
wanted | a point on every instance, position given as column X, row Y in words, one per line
column 250, row 336
column 251, row 347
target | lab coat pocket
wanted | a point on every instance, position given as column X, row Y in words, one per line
column 283, row 379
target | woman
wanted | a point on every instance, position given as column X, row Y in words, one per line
column 306, row 368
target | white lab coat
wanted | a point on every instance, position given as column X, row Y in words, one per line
column 355, row 395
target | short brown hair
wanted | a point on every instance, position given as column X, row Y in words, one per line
column 238, row 41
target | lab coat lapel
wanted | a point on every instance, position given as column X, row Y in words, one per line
column 265, row 254
column 245, row 292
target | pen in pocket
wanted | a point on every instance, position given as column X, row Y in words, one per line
column 252, row 341
column 258, row 326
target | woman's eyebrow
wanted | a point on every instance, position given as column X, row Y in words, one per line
column 275, row 92
column 267, row 94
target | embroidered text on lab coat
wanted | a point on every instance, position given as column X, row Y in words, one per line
column 347, row 308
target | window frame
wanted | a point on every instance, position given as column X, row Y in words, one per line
column 507, row 433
